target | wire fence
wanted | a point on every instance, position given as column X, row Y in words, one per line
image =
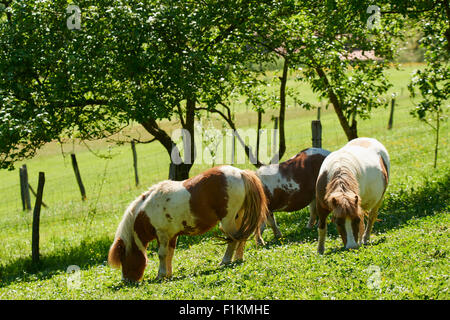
column 110, row 183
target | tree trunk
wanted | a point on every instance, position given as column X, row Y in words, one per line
column 179, row 172
column 258, row 135
column 353, row 131
column 283, row 79
column 436, row 145
column 178, row 169
column 350, row 131
column 136, row 174
column 189, row 142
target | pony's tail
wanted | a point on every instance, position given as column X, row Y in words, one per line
column 254, row 208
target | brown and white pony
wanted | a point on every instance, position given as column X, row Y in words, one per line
column 291, row 186
column 225, row 194
column 352, row 181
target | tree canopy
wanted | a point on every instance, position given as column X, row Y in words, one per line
column 146, row 61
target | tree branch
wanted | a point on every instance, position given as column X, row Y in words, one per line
column 88, row 102
column 144, row 142
column 152, row 127
column 180, row 113
column 283, row 79
column 336, row 104
column 248, row 149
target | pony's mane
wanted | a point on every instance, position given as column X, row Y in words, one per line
column 126, row 225
column 342, row 193
column 125, row 228
column 123, row 239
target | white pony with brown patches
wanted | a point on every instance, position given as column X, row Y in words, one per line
column 225, row 194
column 351, row 183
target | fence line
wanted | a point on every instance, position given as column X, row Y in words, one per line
column 62, row 189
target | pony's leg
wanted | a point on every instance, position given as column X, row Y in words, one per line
column 361, row 231
column 312, row 214
column 322, row 231
column 239, row 255
column 373, row 214
column 229, row 253
column 322, row 228
column 170, row 251
column 258, row 237
column 273, row 224
column 163, row 252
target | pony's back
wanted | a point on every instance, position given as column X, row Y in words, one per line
column 363, row 146
column 357, row 154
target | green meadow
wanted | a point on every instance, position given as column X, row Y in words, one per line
column 406, row 259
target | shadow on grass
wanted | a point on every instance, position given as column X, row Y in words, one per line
column 84, row 255
column 399, row 207
column 178, row 277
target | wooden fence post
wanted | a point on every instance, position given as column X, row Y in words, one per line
column 391, row 116
column 274, row 136
column 36, row 219
column 22, row 194
column 78, row 176
column 136, row 175
column 24, row 189
column 258, row 135
column 316, row 128
column 318, row 113
column 233, row 146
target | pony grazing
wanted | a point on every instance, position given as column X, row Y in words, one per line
column 225, row 194
column 352, row 181
column 291, row 186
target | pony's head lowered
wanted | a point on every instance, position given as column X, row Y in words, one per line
column 342, row 197
column 129, row 249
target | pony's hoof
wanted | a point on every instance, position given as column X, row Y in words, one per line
column 365, row 240
column 260, row 242
column 130, row 282
column 162, row 277
column 311, row 223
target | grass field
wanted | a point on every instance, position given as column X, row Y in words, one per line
column 407, row 259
